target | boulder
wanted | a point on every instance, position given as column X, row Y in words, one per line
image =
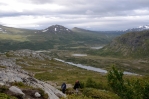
column 16, row 91
column 37, row 95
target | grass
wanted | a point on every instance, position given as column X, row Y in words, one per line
column 17, row 37
column 126, row 64
column 5, row 96
column 51, row 70
column 2, row 67
column 100, row 94
column 58, row 72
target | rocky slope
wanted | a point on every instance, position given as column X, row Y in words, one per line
column 12, row 72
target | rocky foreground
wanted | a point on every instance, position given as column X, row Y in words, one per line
column 12, row 72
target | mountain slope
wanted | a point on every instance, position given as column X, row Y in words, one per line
column 132, row 44
column 108, row 35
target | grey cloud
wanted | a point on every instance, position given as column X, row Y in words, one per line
column 97, row 7
column 91, row 11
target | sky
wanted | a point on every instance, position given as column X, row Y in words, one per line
column 95, row 15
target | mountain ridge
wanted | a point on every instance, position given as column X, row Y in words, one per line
column 140, row 28
column 133, row 44
column 59, row 28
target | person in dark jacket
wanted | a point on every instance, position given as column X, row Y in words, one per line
column 77, row 86
column 63, row 87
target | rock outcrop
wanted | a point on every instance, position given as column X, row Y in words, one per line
column 16, row 91
column 11, row 72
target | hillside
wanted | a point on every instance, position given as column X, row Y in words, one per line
column 53, row 37
column 12, row 74
column 109, row 34
column 132, row 44
column 32, row 72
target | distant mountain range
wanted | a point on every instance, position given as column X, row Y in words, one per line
column 53, row 37
column 61, row 29
column 140, row 28
column 76, row 29
column 59, row 37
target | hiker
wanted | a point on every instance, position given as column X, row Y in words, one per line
column 77, row 86
column 63, row 87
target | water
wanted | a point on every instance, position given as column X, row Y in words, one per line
column 97, row 47
column 91, row 68
column 79, row 54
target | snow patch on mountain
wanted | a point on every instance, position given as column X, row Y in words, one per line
column 140, row 28
column 55, row 29
column 45, row 30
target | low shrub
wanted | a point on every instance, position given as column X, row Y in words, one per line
column 4, row 96
column 73, row 96
column 3, row 89
column 99, row 94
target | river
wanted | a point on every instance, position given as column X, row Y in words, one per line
column 90, row 67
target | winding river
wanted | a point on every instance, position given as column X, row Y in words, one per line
column 90, row 67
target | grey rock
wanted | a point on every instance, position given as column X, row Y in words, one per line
column 37, row 95
column 16, row 91
column 14, row 73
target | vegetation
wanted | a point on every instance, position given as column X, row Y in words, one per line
column 5, row 94
column 126, row 53
column 99, row 94
column 133, row 45
column 114, row 85
column 37, row 40
column 128, row 89
column 138, row 66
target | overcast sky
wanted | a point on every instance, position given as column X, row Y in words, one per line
column 87, row 14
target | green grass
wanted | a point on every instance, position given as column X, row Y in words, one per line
column 13, row 37
column 51, row 70
column 100, row 94
column 58, row 72
column 139, row 66
column 5, row 96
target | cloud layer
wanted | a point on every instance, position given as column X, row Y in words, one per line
column 93, row 15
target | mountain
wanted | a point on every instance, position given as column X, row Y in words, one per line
column 80, row 30
column 104, row 34
column 133, row 44
column 140, row 28
column 76, row 29
column 56, row 29
column 53, row 37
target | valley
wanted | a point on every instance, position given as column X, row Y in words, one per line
column 138, row 66
column 78, row 49
column 49, row 57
